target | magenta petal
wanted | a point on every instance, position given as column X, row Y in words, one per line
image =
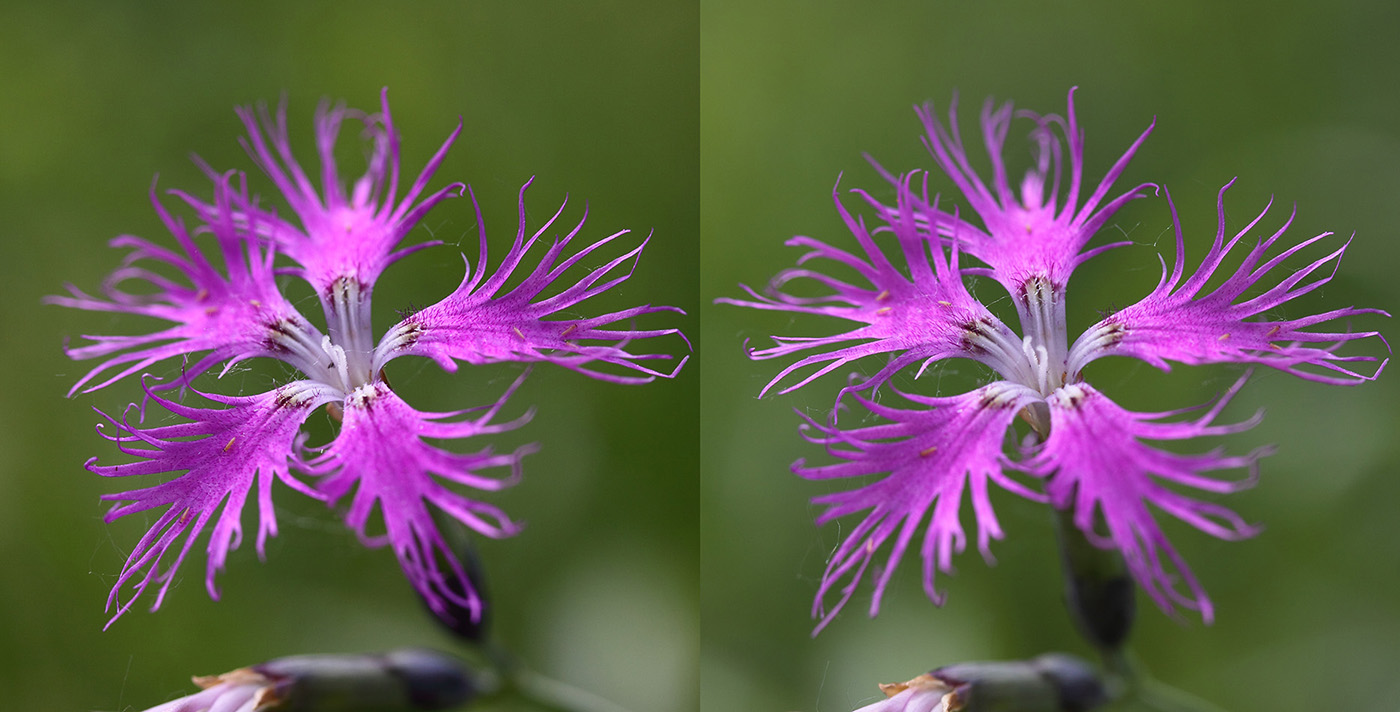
column 1097, row 465
column 483, row 322
column 221, row 453
column 1177, row 322
column 344, row 232
column 925, row 316
column 229, row 314
column 929, row 456
column 1028, row 232
column 381, row 453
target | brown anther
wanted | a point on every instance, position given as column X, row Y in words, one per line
column 229, row 446
column 882, row 310
column 568, row 330
column 882, row 296
column 1276, row 328
column 1222, row 337
column 945, row 303
column 335, row 411
column 518, row 332
column 928, row 451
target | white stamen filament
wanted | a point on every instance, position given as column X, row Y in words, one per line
column 349, row 323
column 1038, row 358
column 304, row 352
column 1043, row 321
column 1004, row 354
column 338, row 361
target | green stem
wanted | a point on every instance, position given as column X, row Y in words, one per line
column 541, row 692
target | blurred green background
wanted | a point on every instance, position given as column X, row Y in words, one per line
column 598, row 100
column 1298, row 99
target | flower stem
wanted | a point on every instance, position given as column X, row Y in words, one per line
column 540, row 691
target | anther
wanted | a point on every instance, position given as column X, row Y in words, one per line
column 928, row 451
column 229, row 446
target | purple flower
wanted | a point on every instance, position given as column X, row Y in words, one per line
column 1093, row 457
column 339, row 240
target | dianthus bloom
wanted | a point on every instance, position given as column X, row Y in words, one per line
column 338, row 239
column 1094, row 457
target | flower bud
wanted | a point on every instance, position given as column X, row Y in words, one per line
column 1049, row 683
column 1099, row 591
column 399, row 681
column 454, row 616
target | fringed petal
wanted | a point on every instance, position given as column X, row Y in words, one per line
column 1178, row 322
column 1097, row 465
column 929, row 457
column 380, row 452
column 922, row 316
column 344, row 233
column 483, row 322
column 1030, row 233
column 225, row 315
column 221, row 453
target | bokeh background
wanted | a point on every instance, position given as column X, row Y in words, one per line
column 598, row 100
column 1297, row 99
